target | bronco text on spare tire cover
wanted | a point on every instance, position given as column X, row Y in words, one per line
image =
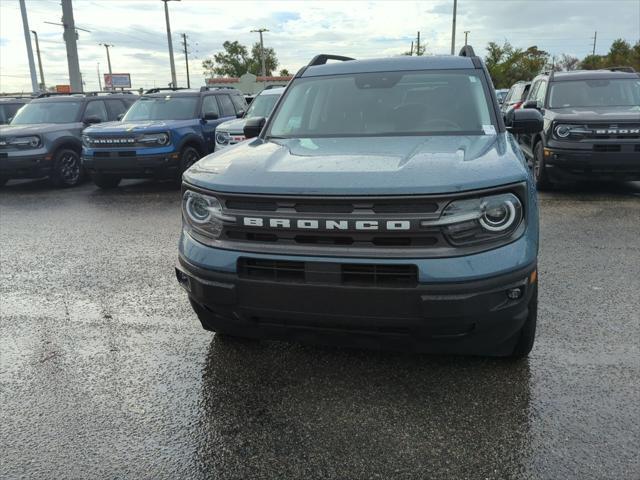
column 384, row 203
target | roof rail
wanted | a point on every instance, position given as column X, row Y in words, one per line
column 467, row 51
column 158, row 90
column 84, row 94
column 622, row 69
column 224, row 87
column 323, row 57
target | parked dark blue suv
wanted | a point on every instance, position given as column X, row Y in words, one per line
column 160, row 136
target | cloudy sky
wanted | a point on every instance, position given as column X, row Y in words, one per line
column 298, row 30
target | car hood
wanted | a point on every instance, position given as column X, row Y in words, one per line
column 597, row 114
column 235, row 126
column 138, row 126
column 36, row 128
column 361, row 166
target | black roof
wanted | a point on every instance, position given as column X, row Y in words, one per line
column 75, row 97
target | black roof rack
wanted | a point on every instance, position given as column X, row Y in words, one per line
column 467, row 51
column 323, row 57
column 622, row 69
column 16, row 96
column 84, row 94
column 269, row 87
column 158, row 90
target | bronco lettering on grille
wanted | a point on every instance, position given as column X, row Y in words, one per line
column 313, row 224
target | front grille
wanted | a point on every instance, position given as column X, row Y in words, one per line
column 606, row 148
column 353, row 274
column 617, row 131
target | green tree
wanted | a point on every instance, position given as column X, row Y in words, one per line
column 284, row 73
column 507, row 65
column 270, row 60
column 235, row 60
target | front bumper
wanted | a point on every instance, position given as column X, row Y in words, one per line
column 128, row 165
column 25, row 165
column 621, row 162
column 472, row 316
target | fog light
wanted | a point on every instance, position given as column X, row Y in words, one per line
column 183, row 279
column 514, row 293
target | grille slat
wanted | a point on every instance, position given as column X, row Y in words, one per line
column 367, row 275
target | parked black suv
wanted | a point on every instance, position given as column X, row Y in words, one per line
column 9, row 105
column 44, row 137
column 592, row 126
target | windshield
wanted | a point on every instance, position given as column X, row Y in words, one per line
column 623, row 92
column 262, row 106
column 162, row 108
column 47, row 112
column 384, row 103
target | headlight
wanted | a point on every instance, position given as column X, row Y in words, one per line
column 563, row 131
column 480, row 220
column 203, row 214
column 86, row 141
column 159, row 138
column 32, row 141
column 223, row 138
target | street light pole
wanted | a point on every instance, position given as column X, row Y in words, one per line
column 262, row 60
column 35, row 35
column 466, row 34
column 70, row 38
column 453, row 27
column 27, row 39
column 99, row 80
column 106, row 46
column 173, row 65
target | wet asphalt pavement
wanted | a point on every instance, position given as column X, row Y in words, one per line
column 106, row 373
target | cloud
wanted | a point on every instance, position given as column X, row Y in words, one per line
column 298, row 31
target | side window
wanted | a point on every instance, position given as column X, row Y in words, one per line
column 209, row 105
column 239, row 103
column 534, row 90
column 96, row 108
column 116, row 107
column 226, row 106
column 541, row 92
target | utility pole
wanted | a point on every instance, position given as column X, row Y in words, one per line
column 106, row 46
column 35, row 35
column 411, row 51
column 453, row 28
column 466, row 35
column 99, row 79
column 70, row 38
column 174, row 83
column 264, row 69
column 186, row 57
column 27, row 39
column 418, row 45
column 595, row 36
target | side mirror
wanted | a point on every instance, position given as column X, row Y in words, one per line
column 210, row 116
column 240, row 114
column 532, row 104
column 91, row 120
column 120, row 117
column 254, row 126
column 524, row 121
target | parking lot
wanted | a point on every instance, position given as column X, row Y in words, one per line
column 106, row 373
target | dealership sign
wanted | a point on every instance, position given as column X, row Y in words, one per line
column 117, row 80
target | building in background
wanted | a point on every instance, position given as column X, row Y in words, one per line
column 249, row 84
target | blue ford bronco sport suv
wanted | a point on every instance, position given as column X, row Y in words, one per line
column 384, row 203
column 160, row 136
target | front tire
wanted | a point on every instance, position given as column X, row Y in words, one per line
column 539, row 169
column 67, row 170
column 527, row 334
column 188, row 157
column 106, row 181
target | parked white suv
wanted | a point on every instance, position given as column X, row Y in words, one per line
column 232, row 131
